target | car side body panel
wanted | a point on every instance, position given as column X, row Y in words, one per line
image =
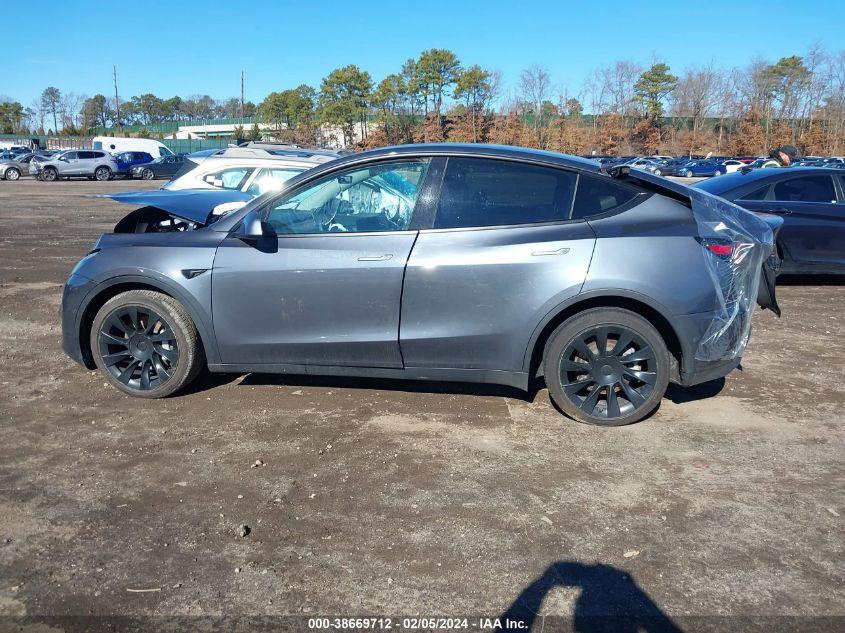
column 472, row 297
column 330, row 299
column 634, row 249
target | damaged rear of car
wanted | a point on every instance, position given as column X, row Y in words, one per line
column 741, row 261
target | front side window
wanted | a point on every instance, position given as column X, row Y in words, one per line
column 806, row 189
column 478, row 192
column 379, row 197
column 232, row 178
column 271, row 180
column 597, row 195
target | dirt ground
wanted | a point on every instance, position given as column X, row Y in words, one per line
column 388, row 498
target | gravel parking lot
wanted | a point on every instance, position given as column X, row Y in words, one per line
column 378, row 498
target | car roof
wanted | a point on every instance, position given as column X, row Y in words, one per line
column 480, row 150
column 266, row 161
column 759, row 177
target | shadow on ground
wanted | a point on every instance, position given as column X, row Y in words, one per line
column 209, row 381
column 609, row 601
column 682, row 395
column 811, row 280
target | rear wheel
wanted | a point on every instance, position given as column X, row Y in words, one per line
column 49, row 174
column 606, row 366
column 102, row 173
column 145, row 344
column 13, row 173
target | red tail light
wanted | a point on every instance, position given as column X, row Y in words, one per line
column 723, row 250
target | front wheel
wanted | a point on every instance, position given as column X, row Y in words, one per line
column 145, row 344
column 657, row 172
column 606, row 366
column 13, row 173
column 49, row 174
column 717, row 173
column 147, row 174
column 102, row 173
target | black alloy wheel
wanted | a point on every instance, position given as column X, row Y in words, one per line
column 606, row 366
column 138, row 347
column 608, row 371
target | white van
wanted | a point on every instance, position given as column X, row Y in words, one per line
column 116, row 144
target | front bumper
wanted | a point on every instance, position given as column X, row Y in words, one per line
column 76, row 290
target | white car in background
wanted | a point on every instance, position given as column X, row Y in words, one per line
column 733, row 165
column 249, row 169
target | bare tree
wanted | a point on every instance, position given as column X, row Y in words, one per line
column 696, row 95
column 535, row 85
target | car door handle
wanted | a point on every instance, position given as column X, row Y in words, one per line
column 376, row 258
column 780, row 211
column 559, row 251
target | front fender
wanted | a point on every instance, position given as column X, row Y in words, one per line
column 194, row 294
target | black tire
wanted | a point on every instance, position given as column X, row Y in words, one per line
column 49, row 174
column 13, row 173
column 657, row 172
column 102, row 173
column 162, row 351
column 629, row 382
column 147, row 174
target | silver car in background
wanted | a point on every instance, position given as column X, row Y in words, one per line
column 13, row 169
column 253, row 170
column 76, row 163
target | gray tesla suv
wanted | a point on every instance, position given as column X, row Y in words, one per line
column 435, row 262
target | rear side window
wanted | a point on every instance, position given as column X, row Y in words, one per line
column 597, row 195
column 757, row 194
column 479, row 192
column 806, row 189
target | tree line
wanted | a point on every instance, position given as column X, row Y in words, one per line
column 622, row 108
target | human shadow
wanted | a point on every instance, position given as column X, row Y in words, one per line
column 609, row 601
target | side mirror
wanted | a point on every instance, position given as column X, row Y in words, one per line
column 252, row 226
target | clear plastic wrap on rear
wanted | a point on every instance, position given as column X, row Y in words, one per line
column 736, row 244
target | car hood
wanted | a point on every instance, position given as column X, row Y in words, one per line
column 194, row 205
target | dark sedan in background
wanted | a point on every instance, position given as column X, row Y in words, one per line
column 163, row 167
column 702, row 168
column 811, row 201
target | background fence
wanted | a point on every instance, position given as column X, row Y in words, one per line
column 177, row 146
